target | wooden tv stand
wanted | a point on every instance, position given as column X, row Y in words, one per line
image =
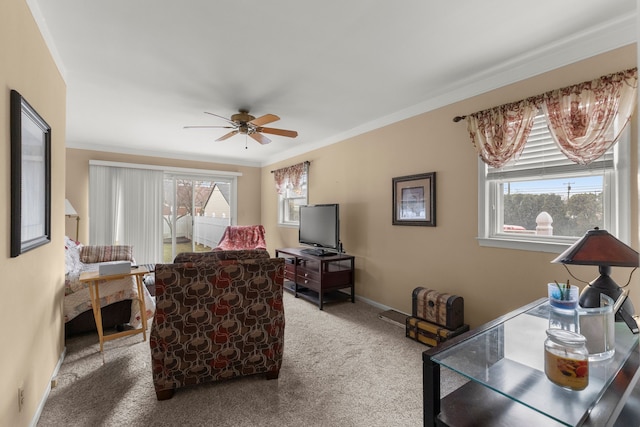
column 318, row 278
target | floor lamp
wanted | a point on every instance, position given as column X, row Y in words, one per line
column 70, row 212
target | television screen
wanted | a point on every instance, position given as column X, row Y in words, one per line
column 320, row 226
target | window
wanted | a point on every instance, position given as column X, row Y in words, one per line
column 513, row 199
column 196, row 211
column 290, row 199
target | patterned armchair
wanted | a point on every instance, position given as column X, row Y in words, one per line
column 237, row 237
column 219, row 315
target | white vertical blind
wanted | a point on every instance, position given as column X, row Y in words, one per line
column 125, row 207
column 103, row 183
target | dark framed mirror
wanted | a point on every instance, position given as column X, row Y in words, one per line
column 30, row 177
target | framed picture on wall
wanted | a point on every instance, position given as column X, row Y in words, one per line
column 30, row 177
column 414, row 200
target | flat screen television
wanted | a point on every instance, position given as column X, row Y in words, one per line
column 320, row 227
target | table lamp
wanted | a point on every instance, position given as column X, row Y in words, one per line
column 598, row 247
column 70, row 212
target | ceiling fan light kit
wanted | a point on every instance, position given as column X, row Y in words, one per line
column 246, row 124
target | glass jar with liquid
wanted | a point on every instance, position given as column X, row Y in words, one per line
column 566, row 359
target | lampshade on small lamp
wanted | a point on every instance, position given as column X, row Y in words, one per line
column 598, row 247
column 70, row 212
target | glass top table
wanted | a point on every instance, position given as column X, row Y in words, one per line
column 507, row 357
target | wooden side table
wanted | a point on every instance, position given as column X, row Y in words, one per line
column 94, row 280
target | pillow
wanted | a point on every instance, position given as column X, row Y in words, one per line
column 72, row 255
column 93, row 254
column 70, row 243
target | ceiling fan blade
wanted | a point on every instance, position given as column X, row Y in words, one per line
column 229, row 135
column 281, row 132
column 260, row 138
column 263, row 120
column 209, row 127
column 223, row 118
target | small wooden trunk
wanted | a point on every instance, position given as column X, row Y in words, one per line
column 428, row 333
column 442, row 309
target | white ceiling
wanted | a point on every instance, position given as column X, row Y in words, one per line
column 137, row 71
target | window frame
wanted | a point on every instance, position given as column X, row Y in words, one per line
column 617, row 209
column 283, row 200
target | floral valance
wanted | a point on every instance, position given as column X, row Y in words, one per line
column 585, row 120
column 290, row 177
column 499, row 134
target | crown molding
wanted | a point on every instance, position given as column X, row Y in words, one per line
column 46, row 35
column 163, row 154
column 605, row 37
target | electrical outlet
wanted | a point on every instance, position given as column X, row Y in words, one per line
column 20, row 398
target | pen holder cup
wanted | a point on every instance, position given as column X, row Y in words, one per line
column 563, row 297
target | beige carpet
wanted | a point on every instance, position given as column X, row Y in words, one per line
column 343, row 366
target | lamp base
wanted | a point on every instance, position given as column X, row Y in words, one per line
column 604, row 284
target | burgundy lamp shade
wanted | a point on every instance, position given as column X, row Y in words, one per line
column 598, row 247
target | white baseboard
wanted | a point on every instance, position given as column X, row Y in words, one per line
column 45, row 395
column 378, row 305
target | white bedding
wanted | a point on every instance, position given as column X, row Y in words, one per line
column 77, row 299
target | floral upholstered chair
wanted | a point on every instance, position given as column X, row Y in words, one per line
column 219, row 315
column 238, row 237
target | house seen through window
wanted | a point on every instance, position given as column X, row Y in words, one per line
column 196, row 211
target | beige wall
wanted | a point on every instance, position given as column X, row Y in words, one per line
column 392, row 260
column 32, row 283
column 77, row 184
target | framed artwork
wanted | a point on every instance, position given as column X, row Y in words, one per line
column 30, row 177
column 414, row 200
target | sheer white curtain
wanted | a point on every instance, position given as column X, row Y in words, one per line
column 586, row 119
column 125, row 208
column 500, row 133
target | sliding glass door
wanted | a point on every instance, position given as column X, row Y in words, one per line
column 160, row 211
column 196, row 210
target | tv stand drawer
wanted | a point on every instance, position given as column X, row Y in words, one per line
column 289, row 273
column 308, row 282
column 308, row 274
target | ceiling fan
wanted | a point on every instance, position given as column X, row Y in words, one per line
column 245, row 123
